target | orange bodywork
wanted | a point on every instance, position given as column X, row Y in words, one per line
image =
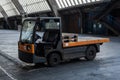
column 23, row 47
column 85, row 42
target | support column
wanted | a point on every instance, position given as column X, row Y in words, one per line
column 81, row 21
column 5, row 16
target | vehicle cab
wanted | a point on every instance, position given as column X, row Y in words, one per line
column 39, row 37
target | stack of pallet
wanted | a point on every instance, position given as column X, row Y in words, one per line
column 69, row 37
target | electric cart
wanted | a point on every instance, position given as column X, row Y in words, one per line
column 42, row 41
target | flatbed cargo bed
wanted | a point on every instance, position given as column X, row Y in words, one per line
column 81, row 41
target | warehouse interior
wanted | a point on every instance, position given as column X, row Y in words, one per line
column 87, row 18
column 102, row 16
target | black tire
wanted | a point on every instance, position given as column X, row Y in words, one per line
column 90, row 53
column 53, row 59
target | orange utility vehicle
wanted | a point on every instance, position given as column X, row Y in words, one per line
column 42, row 41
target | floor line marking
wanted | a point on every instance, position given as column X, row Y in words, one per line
column 9, row 75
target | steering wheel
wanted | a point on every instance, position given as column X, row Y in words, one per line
column 37, row 37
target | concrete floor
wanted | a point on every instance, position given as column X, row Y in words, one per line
column 3, row 76
column 8, row 42
column 106, row 66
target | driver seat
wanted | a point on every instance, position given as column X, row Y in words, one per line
column 51, row 37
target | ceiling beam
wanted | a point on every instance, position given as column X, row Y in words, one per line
column 54, row 7
column 3, row 12
column 112, row 5
column 19, row 7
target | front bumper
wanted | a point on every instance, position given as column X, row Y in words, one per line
column 30, row 58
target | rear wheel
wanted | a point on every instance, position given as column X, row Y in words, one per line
column 90, row 53
column 53, row 59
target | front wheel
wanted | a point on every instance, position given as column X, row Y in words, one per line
column 53, row 59
column 90, row 53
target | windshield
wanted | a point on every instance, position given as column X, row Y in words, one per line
column 40, row 26
column 52, row 24
column 27, row 31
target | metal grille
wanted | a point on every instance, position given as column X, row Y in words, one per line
column 31, row 6
column 9, row 7
column 69, row 3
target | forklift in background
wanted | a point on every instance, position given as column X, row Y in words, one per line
column 42, row 41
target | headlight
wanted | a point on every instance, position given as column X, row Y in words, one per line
column 28, row 47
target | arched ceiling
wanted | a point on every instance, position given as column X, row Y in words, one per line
column 33, row 6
